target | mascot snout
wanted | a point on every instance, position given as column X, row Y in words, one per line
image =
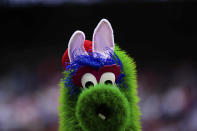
column 102, row 108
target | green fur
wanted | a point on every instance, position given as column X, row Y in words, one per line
column 107, row 95
column 75, row 115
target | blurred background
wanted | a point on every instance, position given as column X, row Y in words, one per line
column 160, row 36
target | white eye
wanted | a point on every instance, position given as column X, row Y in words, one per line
column 88, row 80
column 108, row 78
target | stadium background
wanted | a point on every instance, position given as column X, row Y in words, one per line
column 159, row 35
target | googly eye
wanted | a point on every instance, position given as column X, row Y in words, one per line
column 88, row 80
column 108, row 78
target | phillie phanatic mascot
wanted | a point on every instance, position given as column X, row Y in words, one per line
column 99, row 89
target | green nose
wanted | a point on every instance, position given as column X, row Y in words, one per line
column 102, row 108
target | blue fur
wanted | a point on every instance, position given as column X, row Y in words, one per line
column 94, row 60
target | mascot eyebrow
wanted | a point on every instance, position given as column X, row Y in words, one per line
column 98, row 91
column 97, row 73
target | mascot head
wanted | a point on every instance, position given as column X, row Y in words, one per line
column 98, row 90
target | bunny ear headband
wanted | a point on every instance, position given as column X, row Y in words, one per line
column 103, row 39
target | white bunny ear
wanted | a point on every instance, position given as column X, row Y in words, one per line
column 103, row 37
column 75, row 45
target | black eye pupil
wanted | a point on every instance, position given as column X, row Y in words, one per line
column 108, row 82
column 88, row 84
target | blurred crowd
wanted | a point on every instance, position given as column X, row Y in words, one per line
column 168, row 98
column 29, row 88
column 29, row 99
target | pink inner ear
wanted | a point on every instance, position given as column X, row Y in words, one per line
column 75, row 46
column 65, row 59
column 103, row 38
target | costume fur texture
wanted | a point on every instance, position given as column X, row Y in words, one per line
column 101, row 107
